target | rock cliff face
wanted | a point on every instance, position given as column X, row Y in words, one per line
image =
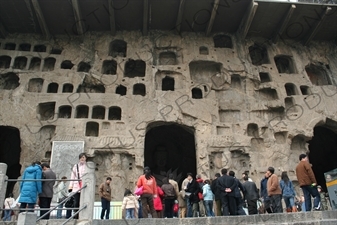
column 176, row 103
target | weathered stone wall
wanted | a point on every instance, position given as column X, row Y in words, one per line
column 251, row 104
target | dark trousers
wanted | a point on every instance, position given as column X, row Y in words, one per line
column 168, row 208
column 252, row 206
column 147, row 200
column 105, row 207
column 228, row 205
column 24, row 205
column 44, row 203
column 276, row 204
column 309, row 191
column 77, row 197
column 239, row 205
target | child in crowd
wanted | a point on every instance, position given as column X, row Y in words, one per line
column 130, row 204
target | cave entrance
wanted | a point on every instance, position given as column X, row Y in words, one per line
column 323, row 151
column 170, row 148
column 10, row 149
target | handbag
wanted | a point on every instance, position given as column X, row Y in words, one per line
column 69, row 203
column 139, row 191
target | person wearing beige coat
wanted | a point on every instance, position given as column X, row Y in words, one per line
column 130, row 204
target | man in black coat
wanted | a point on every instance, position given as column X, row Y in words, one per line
column 227, row 186
column 217, row 194
column 251, row 195
column 193, row 189
column 238, row 196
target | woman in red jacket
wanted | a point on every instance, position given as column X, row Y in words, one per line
column 149, row 192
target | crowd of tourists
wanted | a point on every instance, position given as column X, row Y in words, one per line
column 222, row 195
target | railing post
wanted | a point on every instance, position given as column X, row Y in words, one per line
column 88, row 193
column 3, row 183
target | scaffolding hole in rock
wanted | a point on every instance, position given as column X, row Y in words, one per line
column 134, row 68
column 98, row 112
column 317, row 75
column 10, row 46
column 67, row 88
column 139, row 89
column 46, row 110
column 284, row 64
column 92, row 129
column 118, row 48
column 5, row 62
column 25, row 47
column 167, row 58
column 35, row 64
column 20, row 63
column 264, row 77
column 82, row 111
column 222, row 41
column 258, row 54
column 35, row 85
column 67, row 65
column 167, row 84
column 115, row 113
column 65, row 112
column 109, row 67
column 40, row 48
column 52, row 88
column 9, row 81
column 121, row 90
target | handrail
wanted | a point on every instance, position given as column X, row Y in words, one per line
column 85, row 206
column 72, row 194
column 11, row 180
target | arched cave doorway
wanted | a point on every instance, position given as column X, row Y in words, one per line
column 170, row 148
column 323, row 152
column 10, row 149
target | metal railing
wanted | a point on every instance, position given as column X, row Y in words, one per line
column 58, row 204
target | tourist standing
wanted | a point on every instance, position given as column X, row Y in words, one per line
column 202, row 210
column 47, row 190
column 238, row 197
column 192, row 191
column 148, row 182
column 61, row 195
column 227, row 186
column 174, row 183
column 307, row 182
column 105, row 194
column 9, row 201
column 217, row 194
column 29, row 190
column 130, row 204
column 264, row 194
column 182, row 204
column 288, row 192
column 77, row 174
column 169, row 197
column 208, row 198
column 274, row 191
column 251, row 195
column 187, row 200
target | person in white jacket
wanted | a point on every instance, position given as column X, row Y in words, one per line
column 8, row 207
column 130, row 204
column 61, row 195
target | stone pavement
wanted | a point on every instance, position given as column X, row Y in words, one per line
column 308, row 218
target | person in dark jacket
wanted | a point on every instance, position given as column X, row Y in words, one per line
column 29, row 190
column 193, row 188
column 47, row 190
column 264, row 194
column 251, row 195
column 217, row 194
column 238, row 196
column 169, row 197
column 227, row 186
